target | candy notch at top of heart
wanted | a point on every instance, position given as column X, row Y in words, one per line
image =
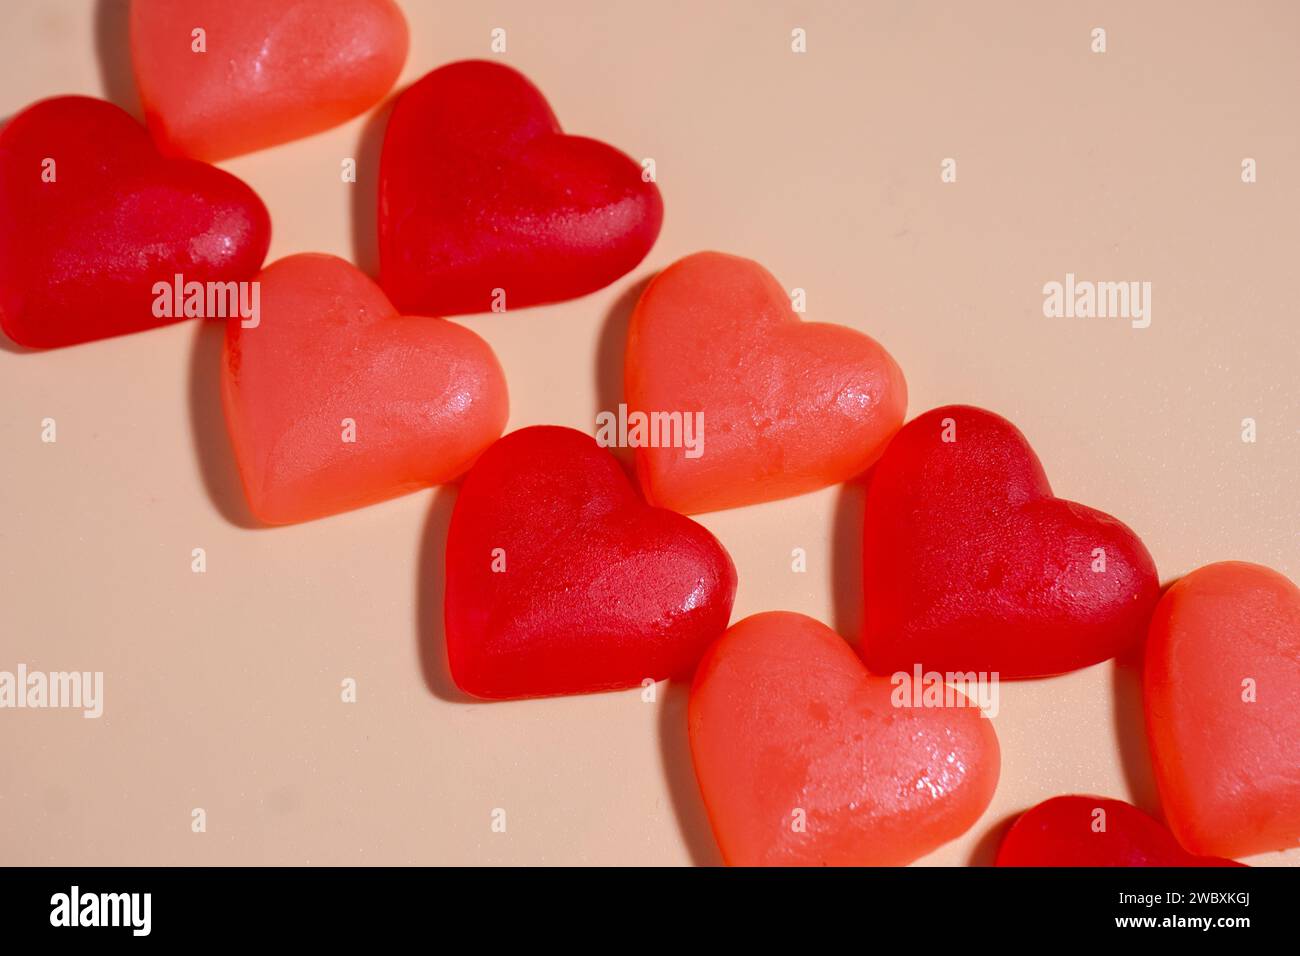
column 562, row 580
column 485, row 205
column 92, row 217
column 334, row 401
column 784, row 406
column 805, row 759
column 971, row 564
column 1221, row 693
column 1093, row 831
column 260, row 72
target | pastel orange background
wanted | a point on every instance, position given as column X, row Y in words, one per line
column 222, row 690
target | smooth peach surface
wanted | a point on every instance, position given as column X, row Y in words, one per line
column 335, row 401
column 271, row 70
column 804, row 760
column 788, row 406
column 1222, row 697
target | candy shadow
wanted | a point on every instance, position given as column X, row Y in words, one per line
column 208, row 427
column 113, row 50
column 1130, row 727
column 365, row 191
column 675, row 752
column 7, row 345
column 846, row 559
column 985, row 852
column 431, row 587
column 610, row 350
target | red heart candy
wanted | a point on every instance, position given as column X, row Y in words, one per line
column 334, row 401
column 1093, row 831
column 561, row 580
column 271, row 70
column 787, row 406
column 479, row 191
column 1221, row 692
column 92, row 217
column 804, row 760
column 971, row 564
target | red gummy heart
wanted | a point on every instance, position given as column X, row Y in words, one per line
column 80, row 254
column 1093, row 831
column 784, row 406
column 970, row 563
column 271, row 70
column 561, row 580
column 335, row 401
column 479, row 191
column 804, row 760
column 1221, row 691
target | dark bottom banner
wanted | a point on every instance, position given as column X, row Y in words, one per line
column 332, row 905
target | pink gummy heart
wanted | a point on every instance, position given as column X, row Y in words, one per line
column 485, row 205
column 970, row 563
column 782, row 406
column 269, row 71
column 92, row 218
column 1221, row 690
column 561, row 580
column 803, row 758
column 334, row 401
column 1093, row 831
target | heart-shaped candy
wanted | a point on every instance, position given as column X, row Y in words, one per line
column 260, row 72
column 561, row 580
column 1221, row 692
column 804, row 759
column 970, row 563
column 334, row 401
column 485, row 205
column 784, row 406
column 1093, row 831
column 92, row 218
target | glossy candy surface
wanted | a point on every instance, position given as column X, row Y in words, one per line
column 561, row 580
column 970, row 563
column 272, row 70
column 803, row 760
column 1221, row 692
column 788, row 406
column 91, row 217
column 1093, row 831
column 332, row 360
column 484, row 204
